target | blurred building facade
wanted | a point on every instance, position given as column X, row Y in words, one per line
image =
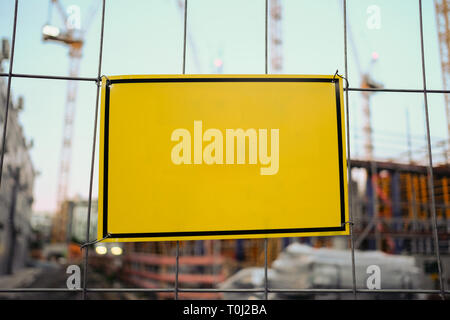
column 70, row 223
column 392, row 207
column 41, row 223
column 392, row 214
column 16, row 193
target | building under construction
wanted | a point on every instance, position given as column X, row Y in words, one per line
column 391, row 213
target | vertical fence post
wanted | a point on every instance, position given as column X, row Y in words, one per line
column 8, row 90
column 430, row 159
column 349, row 168
column 177, row 253
column 185, row 35
column 91, row 178
column 266, row 71
column 177, row 268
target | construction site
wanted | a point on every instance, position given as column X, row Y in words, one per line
column 400, row 206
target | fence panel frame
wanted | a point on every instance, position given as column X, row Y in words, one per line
column 266, row 289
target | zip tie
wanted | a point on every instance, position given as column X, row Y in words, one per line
column 99, row 80
column 347, row 222
column 94, row 242
column 337, row 74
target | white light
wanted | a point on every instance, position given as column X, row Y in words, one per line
column 50, row 31
column 101, row 250
column 117, row 251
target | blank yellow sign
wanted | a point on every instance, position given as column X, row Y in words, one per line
column 220, row 157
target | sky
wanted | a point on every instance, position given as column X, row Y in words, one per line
column 146, row 37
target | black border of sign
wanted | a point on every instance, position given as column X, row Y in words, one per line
column 222, row 232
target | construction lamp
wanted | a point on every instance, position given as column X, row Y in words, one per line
column 117, row 251
column 50, row 31
column 101, row 250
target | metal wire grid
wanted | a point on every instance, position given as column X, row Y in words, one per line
column 266, row 290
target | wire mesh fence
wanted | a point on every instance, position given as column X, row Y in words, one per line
column 266, row 289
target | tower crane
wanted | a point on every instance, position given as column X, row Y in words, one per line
column 276, row 43
column 367, row 82
column 275, row 38
column 442, row 8
column 72, row 36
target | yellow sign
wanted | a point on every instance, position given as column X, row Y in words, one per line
column 221, row 157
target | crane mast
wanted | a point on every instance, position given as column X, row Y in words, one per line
column 276, row 66
column 70, row 36
column 276, row 43
column 69, row 116
column 443, row 28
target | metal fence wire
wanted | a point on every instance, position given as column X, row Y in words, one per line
column 84, row 290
